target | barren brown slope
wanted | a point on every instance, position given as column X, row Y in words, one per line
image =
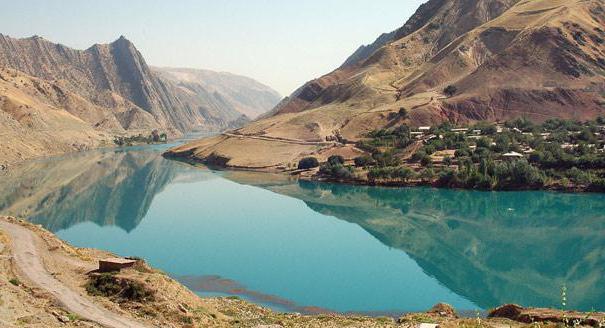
column 39, row 118
column 538, row 59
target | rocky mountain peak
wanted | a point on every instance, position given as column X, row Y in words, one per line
column 446, row 19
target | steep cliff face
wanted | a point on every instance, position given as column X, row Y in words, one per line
column 82, row 98
column 114, row 76
column 504, row 58
column 244, row 94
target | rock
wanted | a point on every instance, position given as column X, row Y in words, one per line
column 182, row 308
column 63, row 319
column 509, row 311
column 427, row 325
column 530, row 315
column 443, row 310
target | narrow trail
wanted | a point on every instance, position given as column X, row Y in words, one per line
column 282, row 140
column 27, row 257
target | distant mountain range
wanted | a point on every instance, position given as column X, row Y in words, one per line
column 454, row 60
column 55, row 99
column 246, row 95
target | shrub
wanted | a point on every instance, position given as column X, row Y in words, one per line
column 308, row 163
column 381, row 173
column 447, row 178
column 426, row 161
column 363, row 161
column 403, row 113
column 419, row 155
column 403, row 173
column 385, row 159
column 450, row 90
column 15, row 282
column 336, row 159
column 427, row 175
column 429, row 149
column 462, row 153
column 108, row 285
column 484, row 143
column 337, row 171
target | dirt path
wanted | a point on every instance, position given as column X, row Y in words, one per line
column 28, row 258
column 282, row 140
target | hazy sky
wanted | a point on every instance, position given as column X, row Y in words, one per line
column 281, row 43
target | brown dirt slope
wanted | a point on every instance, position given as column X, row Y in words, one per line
column 506, row 58
column 40, row 118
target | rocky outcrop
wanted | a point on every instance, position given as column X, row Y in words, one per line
column 532, row 316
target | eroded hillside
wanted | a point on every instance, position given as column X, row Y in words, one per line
column 500, row 59
column 56, row 99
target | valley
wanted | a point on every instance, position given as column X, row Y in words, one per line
column 449, row 174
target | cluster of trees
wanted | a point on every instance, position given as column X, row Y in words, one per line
column 335, row 168
column 492, row 175
column 565, row 152
column 398, row 138
column 154, row 137
column 308, row 163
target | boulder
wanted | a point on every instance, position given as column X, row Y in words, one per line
column 531, row 315
column 443, row 310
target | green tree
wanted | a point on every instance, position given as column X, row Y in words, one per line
column 308, row 163
column 450, row 90
column 336, row 160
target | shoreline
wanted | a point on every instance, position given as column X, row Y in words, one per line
column 313, row 176
column 176, row 306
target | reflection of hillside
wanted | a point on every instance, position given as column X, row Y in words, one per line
column 492, row 248
column 108, row 188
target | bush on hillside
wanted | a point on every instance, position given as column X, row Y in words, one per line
column 308, row 163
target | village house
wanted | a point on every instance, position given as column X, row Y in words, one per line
column 511, row 156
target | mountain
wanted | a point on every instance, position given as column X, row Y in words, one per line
column 246, row 95
column 55, row 99
column 504, row 58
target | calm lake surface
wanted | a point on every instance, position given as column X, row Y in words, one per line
column 306, row 247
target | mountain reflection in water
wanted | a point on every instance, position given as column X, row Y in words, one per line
column 489, row 247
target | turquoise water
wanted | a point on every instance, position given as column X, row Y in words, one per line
column 308, row 247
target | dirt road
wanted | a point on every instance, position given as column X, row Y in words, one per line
column 283, row 140
column 27, row 251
